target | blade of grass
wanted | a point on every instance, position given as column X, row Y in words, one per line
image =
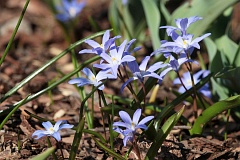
column 76, row 140
column 14, row 32
column 12, row 111
column 112, row 153
column 162, row 134
column 53, row 60
column 52, row 85
column 45, row 154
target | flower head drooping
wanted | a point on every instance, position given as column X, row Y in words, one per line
column 186, row 79
column 100, row 48
column 69, row 10
column 51, row 130
column 131, row 125
column 91, row 78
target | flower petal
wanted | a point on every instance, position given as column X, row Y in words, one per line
column 136, row 116
column 125, row 117
column 57, row 124
column 105, row 37
column 57, row 136
column 66, row 126
column 38, row 134
column 144, row 63
column 92, row 43
column 47, row 125
column 121, row 124
column 125, row 84
column 145, row 120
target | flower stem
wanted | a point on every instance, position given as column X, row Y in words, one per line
column 49, row 146
column 194, row 91
column 60, row 147
column 129, row 87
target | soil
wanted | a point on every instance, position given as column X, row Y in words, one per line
column 39, row 39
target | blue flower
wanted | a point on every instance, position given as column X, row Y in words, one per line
column 51, row 130
column 127, row 134
column 139, row 72
column 100, row 48
column 186, row 79
column 175, row 64
column 69, row 10
column 182, row 25
column 184, row 44
column 91, row 78
column 114, row 59
column 131, row 125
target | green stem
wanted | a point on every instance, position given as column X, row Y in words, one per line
column 49, row 146
column 194, row 91
column 14, row 32
column 227, row 124
column 81, row 91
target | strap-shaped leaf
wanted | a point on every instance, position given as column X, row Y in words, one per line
column 45, row 154
column 153, row 21
column 162, row 134
column 213, row 111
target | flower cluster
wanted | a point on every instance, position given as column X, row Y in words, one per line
column 69, row 10
column 179, row 52
column 113, row 57
column 130, row 125
column 51, row 130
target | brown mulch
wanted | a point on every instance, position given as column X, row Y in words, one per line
column 39, row 39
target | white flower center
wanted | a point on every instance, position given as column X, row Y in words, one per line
column 51, row 130
column 185, row 44
column 114, row 60
column 189, row 82
column 72, row 11
column 92, row 78
column 133, row 126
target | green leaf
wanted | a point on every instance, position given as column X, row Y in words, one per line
column 208, row 9
column 231, row 80
column 76, row 140
column 167, row 109
column 114, row 154
column 153, row 21
column 212, row 112
column 229, row 48
column 219, row 90
column 164, row 10
column 45, row 154
column 66, row 77
column 211, row 48
column 162, row 134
